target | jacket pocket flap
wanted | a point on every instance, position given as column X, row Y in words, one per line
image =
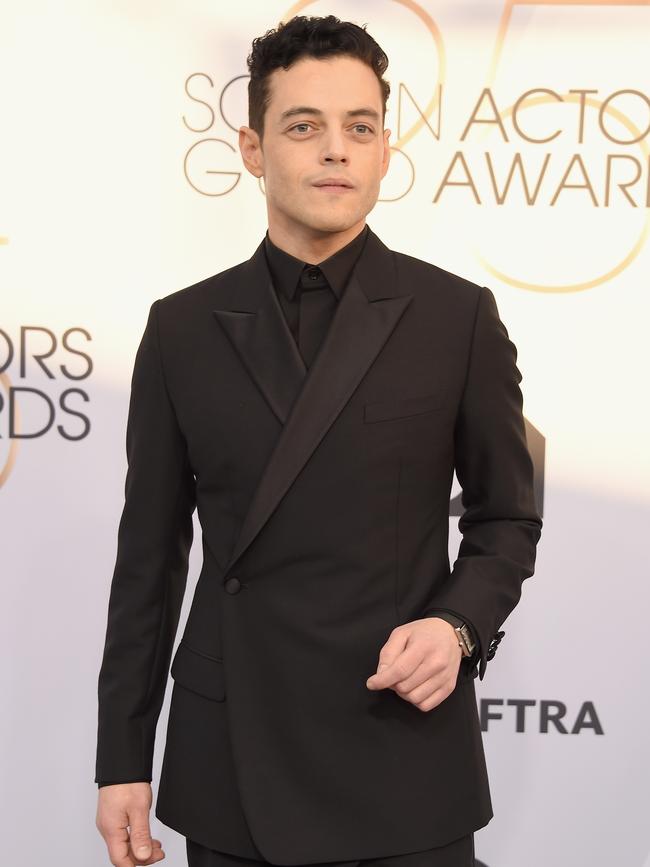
column 201, row 673
column 382, row 410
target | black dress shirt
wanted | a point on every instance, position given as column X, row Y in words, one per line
column 292, row 277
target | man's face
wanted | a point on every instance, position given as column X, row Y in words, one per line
column 340, row 137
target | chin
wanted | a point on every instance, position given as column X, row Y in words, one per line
column 335, row 222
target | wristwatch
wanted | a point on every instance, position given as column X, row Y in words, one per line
column 465, row 639
column 462, row 630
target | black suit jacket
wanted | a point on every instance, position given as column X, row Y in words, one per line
column 323, row 498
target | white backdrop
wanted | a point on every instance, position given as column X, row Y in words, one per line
column 121, row 181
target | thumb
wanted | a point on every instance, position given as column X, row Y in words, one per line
column 387, row 655
column 140, row 835
column 375, row 681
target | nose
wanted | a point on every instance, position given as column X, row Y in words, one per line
column 334, row 148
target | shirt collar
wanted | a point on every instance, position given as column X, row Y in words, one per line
column 286, row 269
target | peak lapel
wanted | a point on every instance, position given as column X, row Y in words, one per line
column 364, row 319
column 258, row 331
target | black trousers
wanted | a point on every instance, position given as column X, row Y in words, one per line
column 459, row 853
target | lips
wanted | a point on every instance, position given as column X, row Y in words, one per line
column 333, row 182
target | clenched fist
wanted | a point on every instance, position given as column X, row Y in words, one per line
column 420, row 662
column 123, row 821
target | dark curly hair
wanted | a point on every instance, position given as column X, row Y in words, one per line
column 307, row 36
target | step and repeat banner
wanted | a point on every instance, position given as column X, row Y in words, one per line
column 521, row 161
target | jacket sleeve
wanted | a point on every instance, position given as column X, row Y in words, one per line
column 154, row 540
column 500, row 525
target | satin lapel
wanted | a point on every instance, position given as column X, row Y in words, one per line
column 257, row 329
column 364, row 319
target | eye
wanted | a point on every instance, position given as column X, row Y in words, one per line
column 307, row 126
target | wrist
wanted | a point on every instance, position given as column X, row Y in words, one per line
column 452, row 629
column 465, row 634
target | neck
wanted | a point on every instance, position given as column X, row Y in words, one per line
column 310, row 245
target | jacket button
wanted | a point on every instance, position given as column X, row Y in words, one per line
column 232, row 585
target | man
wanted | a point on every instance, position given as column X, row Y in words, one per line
column 312, row 403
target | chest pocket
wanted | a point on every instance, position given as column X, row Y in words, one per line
column 384, row 410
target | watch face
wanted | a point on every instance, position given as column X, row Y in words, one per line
column 467, row 638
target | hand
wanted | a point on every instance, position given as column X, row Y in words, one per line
column 123, row 821
column 420, row 662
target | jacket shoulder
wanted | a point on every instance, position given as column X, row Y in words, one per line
column 210, row 291
column 431, row 280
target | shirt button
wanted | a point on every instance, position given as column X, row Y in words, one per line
column 313, row 273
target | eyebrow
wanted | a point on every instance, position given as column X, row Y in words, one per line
column 308, row 109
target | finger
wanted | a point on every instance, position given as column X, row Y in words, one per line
column 431, row 694
column 429, row 674
column 156, row 845
column 394, row 645
column 433, row 700
column 140, row 833
column 402, row 667
column 117, row 841
column 157, row 854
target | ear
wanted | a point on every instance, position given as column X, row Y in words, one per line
column 250, row 148
column 385, row 160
